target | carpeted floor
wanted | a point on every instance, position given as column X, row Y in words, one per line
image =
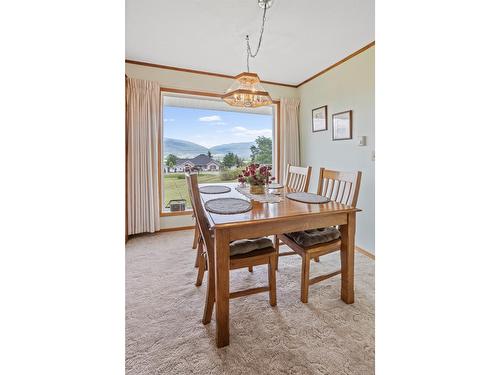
column 164, row 308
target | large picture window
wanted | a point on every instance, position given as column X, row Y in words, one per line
column 213, row 139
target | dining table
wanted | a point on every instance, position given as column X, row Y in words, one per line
column 265, row 219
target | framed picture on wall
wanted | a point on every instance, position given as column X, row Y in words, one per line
column 342, row 126
column 319, row 119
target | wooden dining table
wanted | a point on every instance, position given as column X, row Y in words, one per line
column 275, row 218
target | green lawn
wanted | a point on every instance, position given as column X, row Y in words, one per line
column 176, row 188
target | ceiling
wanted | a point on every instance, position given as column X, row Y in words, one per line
column 301, row 38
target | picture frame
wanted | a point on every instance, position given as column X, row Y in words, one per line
column 342, row 126
column 319, row 119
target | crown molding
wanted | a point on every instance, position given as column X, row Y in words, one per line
column 167, row 67
column 338, row 63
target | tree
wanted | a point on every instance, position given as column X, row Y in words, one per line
column 230, row 160
column 262, row 153
column 171, row 161
column 209, row 154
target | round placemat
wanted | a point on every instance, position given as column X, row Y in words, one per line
column 227, row 206
column 275, row 186
column 307, row 197
column 214, row 189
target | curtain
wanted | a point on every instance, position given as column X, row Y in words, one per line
column 289, row 134
column 142, row 147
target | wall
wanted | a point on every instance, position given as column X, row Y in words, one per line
column 195, row 82
column 350, row 85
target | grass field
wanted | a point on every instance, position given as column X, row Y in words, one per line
column 176, row 188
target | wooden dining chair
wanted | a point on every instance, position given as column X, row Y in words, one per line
column 297, row 178
column 241, row 256
column 341, row 187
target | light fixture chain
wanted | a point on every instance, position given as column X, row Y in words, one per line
column 249, row 49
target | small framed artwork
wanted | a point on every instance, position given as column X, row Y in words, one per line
column 319, row 119
column 342, row 126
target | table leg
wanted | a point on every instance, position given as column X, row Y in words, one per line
column 222, row 287
column 348, row 232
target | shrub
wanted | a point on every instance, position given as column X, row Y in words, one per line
column 229, row 175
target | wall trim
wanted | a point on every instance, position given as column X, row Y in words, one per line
column 338, row 63
column 365, row 252
column 185, row 70
column 167, row 67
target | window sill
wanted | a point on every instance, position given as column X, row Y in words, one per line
column 177, row 213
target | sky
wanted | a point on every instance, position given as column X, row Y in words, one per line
column 211, row 128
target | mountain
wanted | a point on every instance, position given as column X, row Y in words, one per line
column 242, row 149
column 182, row 149
column 186, row 149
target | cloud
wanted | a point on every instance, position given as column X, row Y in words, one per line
column 210, row 118
column 241, row 131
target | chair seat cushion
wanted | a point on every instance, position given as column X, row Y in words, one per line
column 313, row 237
column 247, row 246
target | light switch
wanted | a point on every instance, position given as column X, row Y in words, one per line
column 361, row 140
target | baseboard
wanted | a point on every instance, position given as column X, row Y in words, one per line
column 365, row 252
column 177, row 228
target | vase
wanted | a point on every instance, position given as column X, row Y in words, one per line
column 256, row 189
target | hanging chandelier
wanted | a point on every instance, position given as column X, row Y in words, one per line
column 247, row 91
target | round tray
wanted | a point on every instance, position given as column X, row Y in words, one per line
column 214, row 189
column 307, row 198
column 228, row 206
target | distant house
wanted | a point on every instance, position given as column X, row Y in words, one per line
column 202, row 163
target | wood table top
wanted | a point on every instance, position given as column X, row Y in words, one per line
column 270, row 211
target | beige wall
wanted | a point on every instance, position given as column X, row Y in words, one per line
column 350, row 85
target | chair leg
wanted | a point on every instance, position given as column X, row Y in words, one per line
column 210, row 294
column 277, row 247
column 271, row 274
column 199, row 252
column 304, row 282
column 201, row 270
column 316, row 259
column 196, row 236
column 250, row 268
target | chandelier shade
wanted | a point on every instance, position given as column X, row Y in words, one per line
column 247, row 91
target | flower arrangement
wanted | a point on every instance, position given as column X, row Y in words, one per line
column 257, row 176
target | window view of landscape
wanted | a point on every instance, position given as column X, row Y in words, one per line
column 216, row 144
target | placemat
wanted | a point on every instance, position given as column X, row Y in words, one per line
column 263, row 198
column 214, row 189
column 307, row 197
column 227, row 206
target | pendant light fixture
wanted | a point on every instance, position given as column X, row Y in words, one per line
column 247, row 91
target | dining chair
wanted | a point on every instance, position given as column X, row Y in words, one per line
column 243, row 253
column 297, row 178
column 341, row 187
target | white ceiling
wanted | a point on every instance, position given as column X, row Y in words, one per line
column 301, row 38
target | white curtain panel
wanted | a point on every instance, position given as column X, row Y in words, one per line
column 142, row 137
column 289, row 134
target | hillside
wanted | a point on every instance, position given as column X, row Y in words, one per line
column 242, row 149
column 186, row 149
column 182, row 149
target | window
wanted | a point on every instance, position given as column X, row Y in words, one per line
column 212, row 138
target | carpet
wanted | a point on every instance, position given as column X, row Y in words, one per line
column 164, row 333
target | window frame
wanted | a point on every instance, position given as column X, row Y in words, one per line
column 276, row 145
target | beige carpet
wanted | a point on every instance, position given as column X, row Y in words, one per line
column 164, row 308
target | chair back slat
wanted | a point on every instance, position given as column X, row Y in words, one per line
column 297, row 178
column 341, row 187
column 199, row 212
